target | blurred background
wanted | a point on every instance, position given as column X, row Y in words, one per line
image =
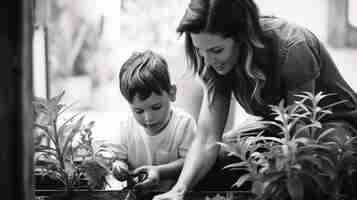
column 80, row 45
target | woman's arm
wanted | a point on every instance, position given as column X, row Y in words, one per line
column 203, row 151
column 300, row 70
column 171, row 170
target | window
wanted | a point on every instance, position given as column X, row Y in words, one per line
column 342, row 23
column 79, row 48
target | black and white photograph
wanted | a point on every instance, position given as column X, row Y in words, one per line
column 179, row 100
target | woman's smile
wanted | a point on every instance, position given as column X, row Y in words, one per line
column 219, row 68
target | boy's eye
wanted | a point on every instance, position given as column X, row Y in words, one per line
column 156, row 107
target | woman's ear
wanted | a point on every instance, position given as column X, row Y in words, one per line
column 172, row 93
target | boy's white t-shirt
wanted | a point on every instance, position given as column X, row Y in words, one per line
column 137, row 148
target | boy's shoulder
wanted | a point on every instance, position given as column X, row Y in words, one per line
column 183, row 124
column 181, row 114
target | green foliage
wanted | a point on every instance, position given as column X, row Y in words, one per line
column 303, row 155
column 220, row 197
column 58, row 155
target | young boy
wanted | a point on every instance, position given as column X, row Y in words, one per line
column 155, row 137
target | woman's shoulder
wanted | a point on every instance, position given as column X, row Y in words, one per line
column 285, row 32
column 288, row 36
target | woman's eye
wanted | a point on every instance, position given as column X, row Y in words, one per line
column 217, row 51
column 138, row 111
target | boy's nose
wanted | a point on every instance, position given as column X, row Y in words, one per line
column 148, row 117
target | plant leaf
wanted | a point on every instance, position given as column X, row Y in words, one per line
column 313, row 125
column 303, row 140
column 334, row 104
column 231, row 149
column 56, row 99
column 64, row 127
column 313, row 148
column 278, row 140
column 242, row 165
column 48, row 133
column 324, row 135
column 272, row 177
column 242, row 180
column 317, row 178
column 65, row 108
column 47, row 150
column 310, row 159
column 274, row 124
column 295, row 188
column 254, row 127
column 74, row 131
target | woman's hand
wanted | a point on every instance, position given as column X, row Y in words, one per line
column 152, row 176
column 173, row 194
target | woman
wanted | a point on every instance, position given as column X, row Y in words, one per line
column 260, row 60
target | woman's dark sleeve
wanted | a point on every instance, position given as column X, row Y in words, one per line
column 301, row 67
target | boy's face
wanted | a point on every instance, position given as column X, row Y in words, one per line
column 153, row 113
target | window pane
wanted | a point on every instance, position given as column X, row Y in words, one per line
column 352, row 12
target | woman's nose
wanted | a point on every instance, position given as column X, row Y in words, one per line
column 208, row 58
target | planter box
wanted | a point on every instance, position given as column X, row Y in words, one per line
column 47, row 184
column 136, row 195
column 82, row 195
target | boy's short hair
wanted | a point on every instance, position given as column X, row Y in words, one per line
column 144, row 73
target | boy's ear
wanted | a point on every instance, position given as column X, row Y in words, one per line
column 172, row 94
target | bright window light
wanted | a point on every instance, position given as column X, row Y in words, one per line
column 352, row 12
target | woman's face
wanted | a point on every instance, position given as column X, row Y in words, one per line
column 219, row 53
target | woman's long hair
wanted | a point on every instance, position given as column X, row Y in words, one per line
column 237, row 19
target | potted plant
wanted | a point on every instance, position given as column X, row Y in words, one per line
column 303, row 160
column 64, row 160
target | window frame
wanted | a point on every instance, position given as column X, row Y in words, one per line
column 341, row 33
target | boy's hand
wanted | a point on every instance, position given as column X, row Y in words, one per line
column 152, row 176
column 120, row 171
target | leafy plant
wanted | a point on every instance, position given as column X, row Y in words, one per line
column 58, row 155
column 220, row 197
column 303, row 154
